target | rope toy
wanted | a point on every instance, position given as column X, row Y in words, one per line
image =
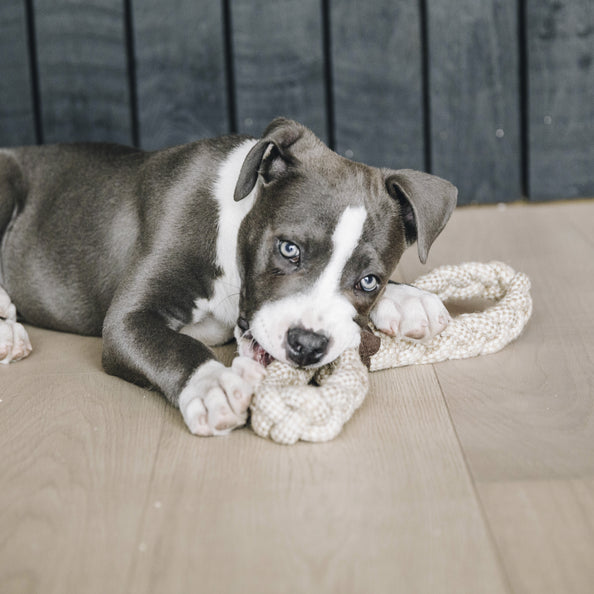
column 313, row 405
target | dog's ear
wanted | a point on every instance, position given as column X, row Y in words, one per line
column 269, row 157
column 427, row 201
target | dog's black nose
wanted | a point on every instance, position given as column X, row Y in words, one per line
column 243, row 324
column 305, row 347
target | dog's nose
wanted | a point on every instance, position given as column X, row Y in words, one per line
column 305, row 347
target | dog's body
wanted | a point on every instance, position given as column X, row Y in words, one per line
column 164, row 253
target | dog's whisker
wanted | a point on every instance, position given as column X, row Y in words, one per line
column 224, row 300
column 229, row 297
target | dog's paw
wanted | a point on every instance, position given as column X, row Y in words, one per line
column 14, row 341
column 410, row 313
column 7, row 307
column 216, row 398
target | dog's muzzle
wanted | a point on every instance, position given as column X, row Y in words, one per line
column 303, row 347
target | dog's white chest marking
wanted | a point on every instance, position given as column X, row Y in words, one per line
column 213, row 319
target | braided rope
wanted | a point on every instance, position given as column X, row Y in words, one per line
column 467, row 335
column 285, row 408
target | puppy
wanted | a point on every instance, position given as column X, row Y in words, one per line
column 164, row 253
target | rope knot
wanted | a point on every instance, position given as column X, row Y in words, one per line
column 286, row 408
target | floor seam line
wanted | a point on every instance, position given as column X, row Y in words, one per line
column 477, row 498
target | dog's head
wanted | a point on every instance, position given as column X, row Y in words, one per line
column 323, row 238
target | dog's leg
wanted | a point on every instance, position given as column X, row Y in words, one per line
column 14, row 341
column 144, row 346
column 410, row 312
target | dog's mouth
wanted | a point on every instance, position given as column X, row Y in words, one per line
column 248, row 346
column 259, row 354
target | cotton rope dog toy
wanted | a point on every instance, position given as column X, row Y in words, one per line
column 286, row 408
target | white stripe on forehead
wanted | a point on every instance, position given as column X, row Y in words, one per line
column 345, row 239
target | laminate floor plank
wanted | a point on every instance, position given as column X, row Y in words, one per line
column 386, row 507
column 545, row 532
column 525, row 416
column 526, row 412
column 78, row 451
column 464, row 476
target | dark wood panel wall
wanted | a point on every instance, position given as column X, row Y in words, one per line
column 376, row 57
column 82, row 70
column 496, row 95
column 17, row 101
column 474, row 97
column 560, row 115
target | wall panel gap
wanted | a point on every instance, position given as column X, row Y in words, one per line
column 229, row 67
column 131, row 63
column 523, row 99
column 328, row 73
column 34, row 70
column 426, row 82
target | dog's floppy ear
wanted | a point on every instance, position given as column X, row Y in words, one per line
column 427, row 201
column 269, row 157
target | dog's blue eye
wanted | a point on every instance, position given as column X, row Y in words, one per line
column 369, row 283
column 289, row 251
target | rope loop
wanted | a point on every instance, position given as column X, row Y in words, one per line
column 467, row 335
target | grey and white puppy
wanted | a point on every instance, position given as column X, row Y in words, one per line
column 163, row 253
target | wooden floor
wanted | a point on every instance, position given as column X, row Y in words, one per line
column 464, row 477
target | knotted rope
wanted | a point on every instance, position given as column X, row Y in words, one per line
column 285, row 408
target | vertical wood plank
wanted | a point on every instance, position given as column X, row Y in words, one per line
column 474, row 97
column 180, row 68
column 560, row 44
column 83, row 71
column 17, row 116
column 278, row 63
column 377, row 82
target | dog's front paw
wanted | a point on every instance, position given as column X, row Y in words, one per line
column 216, row 398
column 14, row 341
column 410, row 312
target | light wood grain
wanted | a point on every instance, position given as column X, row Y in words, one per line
column 545, row 531
column 526, row 412
column 243, row 514
column 524, row 416
column 78, row 452
column 469, row 476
